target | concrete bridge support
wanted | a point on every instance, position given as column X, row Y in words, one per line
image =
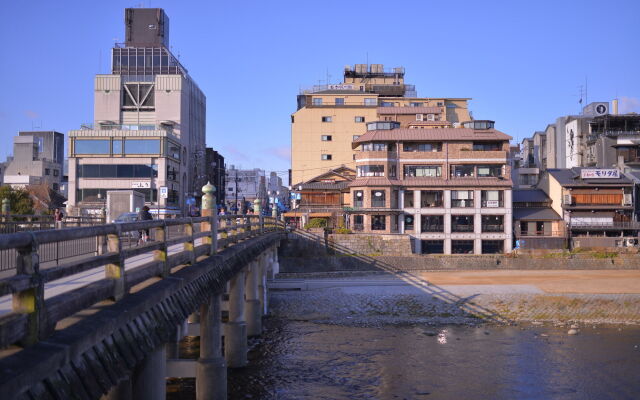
column 211, row 369
column 149, row 377
column 235, row 331
column 252, row 298
column 262, row 283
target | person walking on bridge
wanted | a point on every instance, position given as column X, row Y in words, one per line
column 144, row 215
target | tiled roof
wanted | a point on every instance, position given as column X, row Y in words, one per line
column 409, row 110
column 529, row 196
column 571, row 178
column 405, row 134
column 432, row 182
column 535, row 214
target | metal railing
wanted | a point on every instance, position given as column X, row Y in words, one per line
column 33, row 317
column 21, row 223
column 611, row 225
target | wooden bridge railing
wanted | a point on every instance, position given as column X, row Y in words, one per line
column 33, row 317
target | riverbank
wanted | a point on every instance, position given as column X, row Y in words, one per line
column 470, row 297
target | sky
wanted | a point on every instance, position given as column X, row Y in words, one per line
column 522, row 62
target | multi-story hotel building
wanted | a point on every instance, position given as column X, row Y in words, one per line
column 448, row 188
column 330, row 117
column 148, row 132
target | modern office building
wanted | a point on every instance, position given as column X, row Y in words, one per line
column 329, row 117
column 148, row 132
column 37, row 159
column 448, row 188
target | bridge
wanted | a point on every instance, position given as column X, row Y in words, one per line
column 106, row 325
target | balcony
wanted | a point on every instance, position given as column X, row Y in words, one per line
column 376, row 155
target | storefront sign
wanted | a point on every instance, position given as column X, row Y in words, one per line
column 140, row 185
column 340, row 87
column 600, row 173
column 493, row 203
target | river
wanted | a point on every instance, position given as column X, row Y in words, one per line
column 309, row 360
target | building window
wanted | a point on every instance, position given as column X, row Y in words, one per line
column 408, row 198
column 392, row 171
column 56, row 172
column 462, row 198
column 462, row 223
column 433, row 171
column 492, row 198
column 359, row 119
column 416, row 104
column 386, row 104
column 326, row 156
column 142, row 146
column 88, row 146
column 374, row 147
column 317, row 101
column 47, row 171
column 433, row 247
column 462, row 246
column 487, row 146
column 293, row 119
column 418, row 117
column 56, row 187
column 378, row 222
column 459, row 171
column 439, row 104
column 489, row 171
column 339, row 101
column 416, row 146
column 430, row 198
column 408, row 222
column 326, row 119
column 492, row 246
column 358, row 198
column 116, row 146
column 378, row 198
column 358, row 222
column 117, row 171
column 492, row 223
column 432, row 223
column 326, row 138
column 370, row 102
column 355, row 137
column 370, row 170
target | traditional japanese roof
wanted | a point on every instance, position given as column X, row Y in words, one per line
column 529, row 196
column 535, row 214
column 571, row 178
column 453, row 134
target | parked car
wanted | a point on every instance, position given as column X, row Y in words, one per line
column 128, row 217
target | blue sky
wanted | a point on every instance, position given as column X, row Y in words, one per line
column 522, row 62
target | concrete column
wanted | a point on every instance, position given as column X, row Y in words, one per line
column 265, row 263
column 235, row 331
column 211, row 368
column 122, row 391
column 149, row 382
column 252, row 299
column 401, row 199
column 401, row 223
column 275, row 265
column 174, row 343
column 447, row 199
column 416, row 199
column 477, row 246
column 447, row 246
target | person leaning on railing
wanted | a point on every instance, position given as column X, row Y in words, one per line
column 58, row 215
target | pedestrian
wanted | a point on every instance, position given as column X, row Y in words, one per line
column 58, row 215
column 144, row 215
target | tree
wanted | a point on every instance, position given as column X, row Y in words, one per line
column 19, row 200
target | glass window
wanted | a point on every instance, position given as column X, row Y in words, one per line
column 433, row 247
column 492, row 198
column 392, row 171
column 359, row 119
column 430, row 198
column 358, row 222
column 489, row 170
column 462, row 246
column 47, row 171
column 417, row 146
column 355, row 137
column 370, row 102
column 458, row 171
column 358, row 198
column 378, row 222
column 386, row 104
column 173, row 150
column 462, row 198
column 492, row 246
column 378, row 198
column 125, row 171
column 416, row 104
column 142, row 146
column 408, row 198
column 370, row 170
column 86, row 146
column 339, row 101
column 422, row 170
column 55, row 172
column 325, row 138
column 326, row 119
column 374, row 147
column 117, row 146
column 432, row 223
column 487, row 146
column 317, row 101
column 492, row 223
column 408, row 222
column 326, row 156
column 462, row 223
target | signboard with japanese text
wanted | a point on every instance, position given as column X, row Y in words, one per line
column 340, row 87
column 599, row 173
column 140, row 185
column 493, row 203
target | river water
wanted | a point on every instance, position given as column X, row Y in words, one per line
column 307, row 360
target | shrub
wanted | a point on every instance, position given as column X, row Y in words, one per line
column 343, row 231
column 316, row 223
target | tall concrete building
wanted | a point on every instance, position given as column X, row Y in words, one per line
column 148, row 132
column 37, row 159
column 243, row 187
column 330, row 117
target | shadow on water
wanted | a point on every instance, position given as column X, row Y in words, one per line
column 366, row 263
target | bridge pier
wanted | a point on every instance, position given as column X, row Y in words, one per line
column 149, row 377
column 235, row 331
column 122, row 391
column 262, row 283
column 211, row 369
column 252, row 298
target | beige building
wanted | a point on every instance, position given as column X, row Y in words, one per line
column 148, row 132
column 330, row 117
